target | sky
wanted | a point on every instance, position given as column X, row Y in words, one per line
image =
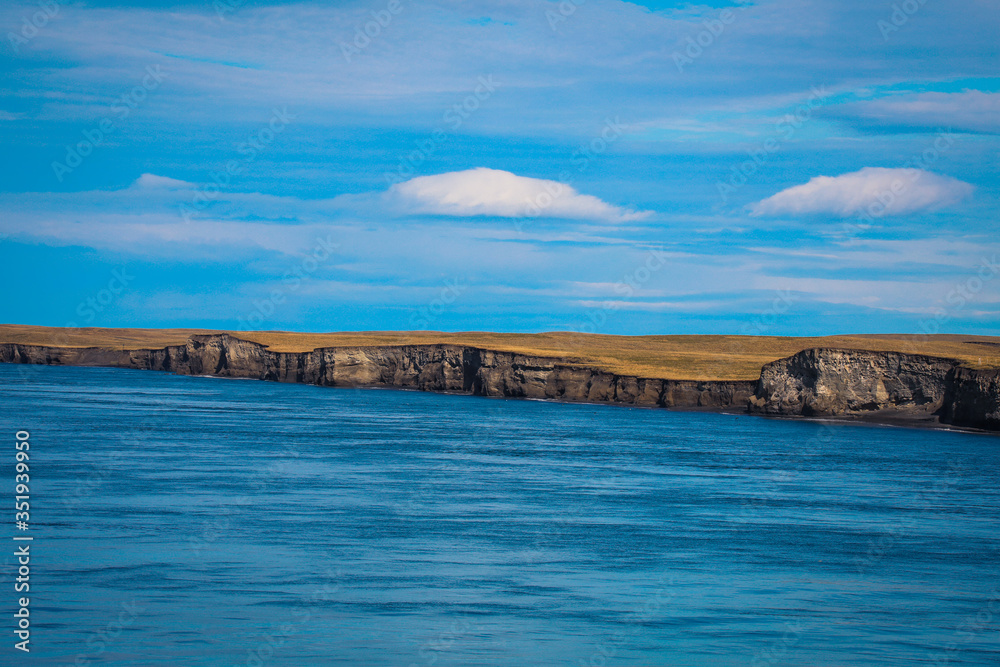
column 777, row 167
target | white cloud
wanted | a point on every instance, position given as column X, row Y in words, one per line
column 154, row 181
column 493, row 192
column 876, row 190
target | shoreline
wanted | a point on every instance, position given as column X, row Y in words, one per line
column 849, row 386
column 899, row 420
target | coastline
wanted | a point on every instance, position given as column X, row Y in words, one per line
column 859, row 386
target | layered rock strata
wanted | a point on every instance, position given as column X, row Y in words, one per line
column 812, row 383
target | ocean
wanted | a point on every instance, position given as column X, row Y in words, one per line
column 204, row 521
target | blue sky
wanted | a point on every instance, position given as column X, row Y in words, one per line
column 787, row 167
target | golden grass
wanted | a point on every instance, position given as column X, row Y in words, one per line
column 667, row 357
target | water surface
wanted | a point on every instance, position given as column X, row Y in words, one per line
column 250, row 523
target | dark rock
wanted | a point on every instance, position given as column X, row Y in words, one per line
column 813, row 383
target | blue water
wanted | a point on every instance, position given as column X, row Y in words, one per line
column 201, row 521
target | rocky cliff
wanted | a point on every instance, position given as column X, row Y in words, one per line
column 891, row 385
column 973, row 399
column 812, row 383
column 446, row 368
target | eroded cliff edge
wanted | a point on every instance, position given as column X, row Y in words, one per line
column 812, row 383
column 889, row 385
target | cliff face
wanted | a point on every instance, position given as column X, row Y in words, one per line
column 812, row 383
column 427, row 367
column 827, row 383
column 973, row 399
column 834, row 382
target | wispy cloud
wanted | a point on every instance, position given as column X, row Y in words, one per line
column 894, row 191
column 152, row 181
column 969, row 110
column 738, row 112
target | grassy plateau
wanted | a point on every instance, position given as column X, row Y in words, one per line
column 667, row 357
